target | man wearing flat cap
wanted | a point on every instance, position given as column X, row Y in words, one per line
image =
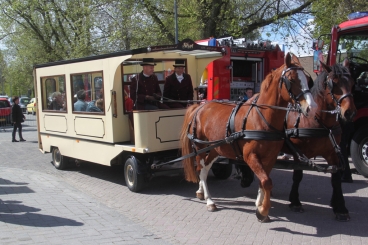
column 145, row 90
column 178, row 86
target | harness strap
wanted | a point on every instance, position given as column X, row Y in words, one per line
column 230, row 129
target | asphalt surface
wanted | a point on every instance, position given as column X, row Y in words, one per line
column 90, row 204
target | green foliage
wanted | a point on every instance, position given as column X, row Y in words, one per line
column 332, row 12
column 39, row 31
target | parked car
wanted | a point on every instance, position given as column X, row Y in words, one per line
column 31, row 107
column 11, row 101
column 5, row 111
column 23, row 102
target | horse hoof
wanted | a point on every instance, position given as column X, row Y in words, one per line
column 296, row 209
column 342, row 217
column 200, row 196
column 212, row 208
column 261, row 218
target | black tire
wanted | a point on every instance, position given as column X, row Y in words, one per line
column 59, row 161
column 222, row 171
column 33, row 112
column 359, row 151
column 133, row 180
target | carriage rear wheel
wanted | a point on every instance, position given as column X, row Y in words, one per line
column 359, row 151
column 59, row 161
column 222, row 171
column 133, row 179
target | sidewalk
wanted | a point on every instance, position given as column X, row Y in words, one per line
column 37, row 208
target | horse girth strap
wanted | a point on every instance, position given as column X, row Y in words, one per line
column 244, row 134
column 311, row 132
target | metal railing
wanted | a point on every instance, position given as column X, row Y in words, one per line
column 29, row 123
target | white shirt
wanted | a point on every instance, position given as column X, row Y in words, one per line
column 179, row 77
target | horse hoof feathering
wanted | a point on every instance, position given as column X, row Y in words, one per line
column 296, row 209
column 200, row 195
column 342, row 217
column 212, row 208
column 261, row 218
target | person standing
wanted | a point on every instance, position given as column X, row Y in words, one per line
column 145, row 90
column 18, row 118
column 178, row 86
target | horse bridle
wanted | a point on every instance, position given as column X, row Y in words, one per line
column 287, row 83
column 330, row 85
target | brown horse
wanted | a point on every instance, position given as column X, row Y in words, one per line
column 332, row 93
column 258, row 130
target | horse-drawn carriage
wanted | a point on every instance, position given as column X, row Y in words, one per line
column 252, row 132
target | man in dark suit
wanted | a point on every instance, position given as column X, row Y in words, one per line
column 178, row 86
column 145, row 90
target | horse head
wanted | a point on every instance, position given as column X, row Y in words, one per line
column 296, row 83
column 338, row 83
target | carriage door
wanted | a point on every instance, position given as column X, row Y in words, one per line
column 246, row 73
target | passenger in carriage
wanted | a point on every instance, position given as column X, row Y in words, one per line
column 80, row 105
column 145, row 89
column 96, row 106
column 57, row 102
column 178, row 86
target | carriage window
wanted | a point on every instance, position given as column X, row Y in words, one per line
column 87, row 90
column 131, row 68
column 53, row 93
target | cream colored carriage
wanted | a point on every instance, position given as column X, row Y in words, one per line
column 84, row 105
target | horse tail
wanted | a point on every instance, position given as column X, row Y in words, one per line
column 186, row 146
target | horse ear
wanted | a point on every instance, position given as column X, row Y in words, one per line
column 346, row 63
column 325, row 67
column 288, row 60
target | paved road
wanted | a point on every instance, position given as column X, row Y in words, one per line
column 91, row 203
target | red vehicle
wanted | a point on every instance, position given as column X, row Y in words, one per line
column 350, row 40
column 5, row 111
column 245, row 65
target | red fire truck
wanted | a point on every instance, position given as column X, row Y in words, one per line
column 245, row 65
column 350, row 40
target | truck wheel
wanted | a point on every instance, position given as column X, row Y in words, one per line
column 359, row 151
column 133, row 180
column 222, row 171
column 60, row 162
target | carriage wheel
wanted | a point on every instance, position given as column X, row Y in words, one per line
column 133, row 180
column 59, row 161
column 359, row 151
column 222, row 171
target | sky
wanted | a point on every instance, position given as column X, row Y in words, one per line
column 276, row 38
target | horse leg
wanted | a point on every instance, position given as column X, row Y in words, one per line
column 295, row 204
column 200, row 191
column 206, row 166
column 337, row 200
column 263, row 202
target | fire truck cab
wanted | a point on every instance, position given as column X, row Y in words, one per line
column 245, row 65
column 350, row 40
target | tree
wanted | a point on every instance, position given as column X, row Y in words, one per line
column 332, row 12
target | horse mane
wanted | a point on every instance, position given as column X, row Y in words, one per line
column 337, row 70
column 269, row 78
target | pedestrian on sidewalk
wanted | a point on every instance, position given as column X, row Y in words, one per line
column 18, row 118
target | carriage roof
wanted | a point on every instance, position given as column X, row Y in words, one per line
column 186, row 47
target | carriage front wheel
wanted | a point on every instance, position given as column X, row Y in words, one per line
column 359, row 151
column 59, row 161
column 133, row 179
column 222, row 171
